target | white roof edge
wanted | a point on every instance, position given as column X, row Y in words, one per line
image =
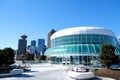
column 82, row 30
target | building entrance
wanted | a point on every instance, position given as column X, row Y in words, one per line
column 86, row 60
column 76, row 60
column 66, row 60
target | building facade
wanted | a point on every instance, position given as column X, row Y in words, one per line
column 22, row 43
column 33, row 43
column 41, row 44
column 80, row 45
column 49, row 36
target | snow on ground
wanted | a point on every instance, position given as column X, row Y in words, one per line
column 42, row 71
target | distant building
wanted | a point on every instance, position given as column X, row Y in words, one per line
column 48, row 39
column 32, row 49
column 33, row 43
column 22, row 47
column 44, row 49
column 28, row 49
column 41, row 44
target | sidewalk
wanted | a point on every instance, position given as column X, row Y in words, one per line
column 45, row 71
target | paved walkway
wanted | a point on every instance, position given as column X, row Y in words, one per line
column 46, row 72
column 43, row 72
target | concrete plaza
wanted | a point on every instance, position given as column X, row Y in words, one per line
column 43, row 71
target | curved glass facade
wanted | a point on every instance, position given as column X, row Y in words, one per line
column 75, row 49
column 83, row 39
column 79, row 48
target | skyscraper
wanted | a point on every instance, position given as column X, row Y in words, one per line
column 22, row 47
column 48, row 39
column 33, row 43
column 32, row 48
column 41, row 44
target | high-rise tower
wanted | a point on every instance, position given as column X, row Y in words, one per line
column 48, row 39
column 41, row 44
column 33, row 43
column 22, row 47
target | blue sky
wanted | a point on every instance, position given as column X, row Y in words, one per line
column 36, row 18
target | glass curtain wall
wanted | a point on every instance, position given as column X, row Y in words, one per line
column 83, row 39
column 81, row 48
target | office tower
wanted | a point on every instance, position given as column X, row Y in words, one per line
column 48, row 39
column 32, row 49
column 22, row 47
column 41, row 43
column 33, row 43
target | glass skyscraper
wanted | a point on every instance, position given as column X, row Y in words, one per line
column 41, row 44
column 33, row 43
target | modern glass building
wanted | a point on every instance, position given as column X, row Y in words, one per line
column 41, row 44
column 33, row 43
column 80, row 45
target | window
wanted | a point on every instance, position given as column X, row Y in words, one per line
column 84, row 49
column 91, row 49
